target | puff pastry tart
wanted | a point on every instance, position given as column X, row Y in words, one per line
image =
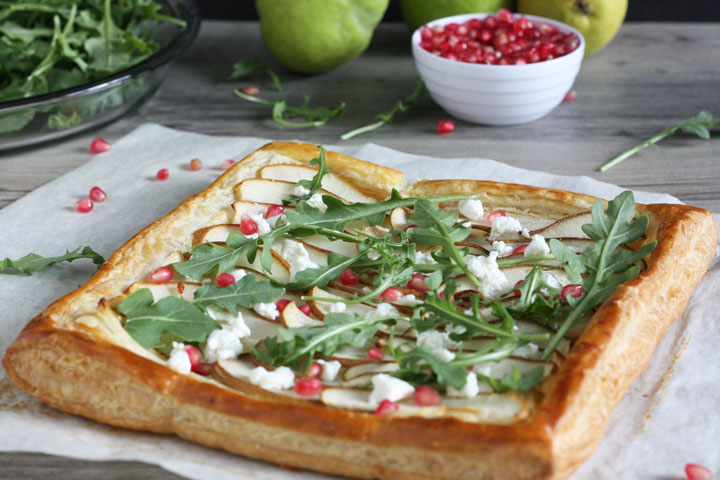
column 312, row 310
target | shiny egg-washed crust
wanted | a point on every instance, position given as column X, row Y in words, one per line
column 75, row 356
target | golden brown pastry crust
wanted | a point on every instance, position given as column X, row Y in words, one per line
column 76, row 357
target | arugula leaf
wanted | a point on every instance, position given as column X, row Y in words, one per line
column 320, row 277
column 147, row 322
column 517, row 381
column 244, row 293
column 245, row 68
column 313, row 185
column 532, row 301
column 209, row 256
column 414, row 364
column 282, row 113
column 387, row 117
column 34, row 263
column 605, row 267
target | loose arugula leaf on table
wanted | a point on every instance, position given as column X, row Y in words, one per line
column 387, row 117
column 210, row 256
column 33, row 262
column 245, row 68
column 313, row 185
column 517, row 381
column 698, row 125
column 282, row 113
column 606, row 267
column 244, row 293
column 148, row 322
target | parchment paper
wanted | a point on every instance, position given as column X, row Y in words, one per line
column 669, row 418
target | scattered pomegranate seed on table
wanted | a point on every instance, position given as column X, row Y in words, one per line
column 83, row 206
column 251, row 90
column 348, row 277
column 391, row 294
column 161, row 275
column 697, row 472
column 224, row 279
column 227, row 164
column 386, row 407
column 495, row 214
column 163, row 174
column 502, row 39
column 305, row 309
column 97, row 194
column 375, row 354
column 274, row 210
column 445, row 126
column 195, row 164
column 99, row 145
column 570, row 96
column 308, row 387
column 425, row 396
column 281, row 304
column 315, row 370
column 248, row 226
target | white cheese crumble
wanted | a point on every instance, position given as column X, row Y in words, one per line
column 470, row 390
column 266, row 310
column 299, row 258
column 330, row 370
column 373, row 254
column 234, row 323
column 222, row 344
column 390, row 388
column 179, row 359
column 338, row 307
column 525, row 232
column 282, row 378
column 502, row 225
column 528, row 351
column 537, row 246
column 383, row 310
column 238, row 273
column 408, row 301
column 435, row 340
column 316, row 201
column 443, row 354
column 493, row 281
column 422, row 258
column 472, row 209
column 503, row 249
column 301, row 191
column 262, row 224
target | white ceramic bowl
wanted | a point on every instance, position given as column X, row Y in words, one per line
column 497, row 94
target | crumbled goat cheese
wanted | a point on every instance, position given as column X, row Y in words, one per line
column 383, row 310
column 232, row 322
column 330, row 370
column 390, row 388
column 472, row 209
column 408, row 301
column 502, row 225
column 338, row 307
column 493, row 281
column 422, row 258
column 222, row 344
column 301, row 191
column 266, row 310
column 443, row 355
column 552, row 280
column 282, row 378
column 179, row 359
column 525, row 232
column 503, row 249
column 262, row 224
column 470, row 390
column 238, row 273
column 528, row 351
column 537, row 246
column 435, row 340
column 317, row 202
column 298, row 257
column 459, row 329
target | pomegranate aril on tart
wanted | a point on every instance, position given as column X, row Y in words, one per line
column 248, row 226
column 418, row 282
column 195, row 164
column 305, row 309
column 194, row 355
column 97, row 194
column 274, row 210
column 161, row 275
column 348, row 277
column 573, row 290
column 519, row 249
column 391, row 294
column 697, row 472
column 425, row 396
column 315, row 370
column 227, row 164
column 224, row 279
column 375, row 354
column 281, row 304
column 163, row 174
column 83, row 206
column 445, row 126
column 308, row 387
column 204, row 369
column 516, row 292
column 495, row 214
column 99, row 145
column 386, row 408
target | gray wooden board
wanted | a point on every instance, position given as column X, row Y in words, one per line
column 652, row 76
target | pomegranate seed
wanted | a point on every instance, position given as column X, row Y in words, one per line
column 84, row 205
column 521, row 61
column 251, row 90
column 442, row 295
column 97, row 194
column 194, row 355
column 418, row 282
column 451, row 27
column 224, row 279
column 450, row 55
column 574, row 290
column 504, row 15
column 248, row 226
column 163, row 174
column 195, row 164
column 519, row 249
column 425, row 396
column 426, row 33
column 570, row 96
column 697, row 472
column 386, row 408
column 348, row 277
column 445, row 126
column 308, row 387
column 274, row 211
column 486, row 36
column 517, row 293
column 409, row 227
column 281, row 304
column 161, row 275
column 475, row 24
column 375, row 354
column 204, row 369
column 305, row 309
column 99, row 145
column 391, row 294
column 315, row 370
column 227, row 164
column 495, row 214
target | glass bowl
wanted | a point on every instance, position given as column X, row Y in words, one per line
column 32, row 120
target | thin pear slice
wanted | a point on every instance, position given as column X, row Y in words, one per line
column 249, row 208
column 320, row 309
column 374, row 367
column 400, row 218
column 214, row 234
column 321, row 242
column 293, row 317
column 567, row 227
column 279, row 271
column 331, row 182
column 347, row 398
column 260, row 190
column 350, row 356
column 184, row 290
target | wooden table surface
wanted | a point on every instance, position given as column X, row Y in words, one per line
column 651, row 76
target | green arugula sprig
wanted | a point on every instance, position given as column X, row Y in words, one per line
column 605, row 266
column 387, row 117
column 33, row 262
column 210, row 257
column 283, row 113
column 315, row 183
column 517, row 381
column 698, row 125
column 245, row 293
column 246, row 68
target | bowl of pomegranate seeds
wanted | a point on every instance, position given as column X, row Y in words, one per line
column 501, row 69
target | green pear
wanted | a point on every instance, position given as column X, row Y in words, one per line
column 420, row 12
column 314, row 36
column 597, row 20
